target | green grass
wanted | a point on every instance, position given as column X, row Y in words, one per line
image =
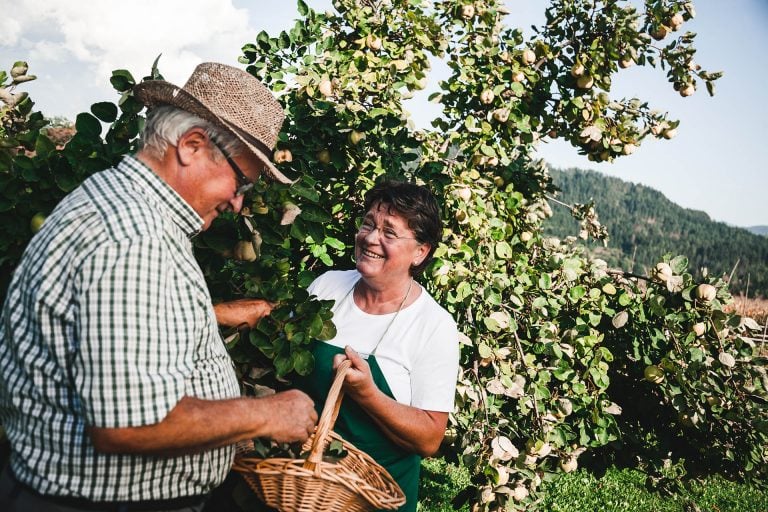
column 440, row 482
column 620, row 490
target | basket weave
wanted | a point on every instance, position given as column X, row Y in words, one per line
column 354, row 483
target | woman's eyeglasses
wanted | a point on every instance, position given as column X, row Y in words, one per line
column 367, row 227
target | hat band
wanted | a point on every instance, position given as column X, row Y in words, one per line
column 248, row 138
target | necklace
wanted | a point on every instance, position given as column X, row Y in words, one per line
column 399, row 308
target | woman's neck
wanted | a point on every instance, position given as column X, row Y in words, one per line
column 384, row 299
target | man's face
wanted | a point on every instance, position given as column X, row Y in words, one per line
column 211, row 184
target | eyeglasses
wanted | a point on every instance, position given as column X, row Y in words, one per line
column 367, row 227
column 242, row 179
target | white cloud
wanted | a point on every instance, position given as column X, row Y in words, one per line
column 11, row 30
column 111, row 34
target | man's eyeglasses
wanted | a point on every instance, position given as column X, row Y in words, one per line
column 244, row 183
column 367, row 227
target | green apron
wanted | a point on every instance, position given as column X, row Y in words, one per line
column 355, row 426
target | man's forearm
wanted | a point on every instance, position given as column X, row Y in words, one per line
column 241, row 311
column 196, row 425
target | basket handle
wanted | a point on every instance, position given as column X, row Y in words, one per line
column 327, row 417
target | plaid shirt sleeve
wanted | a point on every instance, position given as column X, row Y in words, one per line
column 134, row 329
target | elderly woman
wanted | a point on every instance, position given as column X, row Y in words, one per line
column 403, row 346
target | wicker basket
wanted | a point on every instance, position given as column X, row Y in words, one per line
column 353, row 483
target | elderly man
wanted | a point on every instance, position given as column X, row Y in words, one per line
column 116, row 391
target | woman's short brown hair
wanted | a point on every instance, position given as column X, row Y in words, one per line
column 417, row 205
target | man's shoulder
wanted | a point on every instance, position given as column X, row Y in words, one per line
column 123, row 210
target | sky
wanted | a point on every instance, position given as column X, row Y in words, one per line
column 716, row 164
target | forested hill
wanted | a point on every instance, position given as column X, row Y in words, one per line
column 643, row 225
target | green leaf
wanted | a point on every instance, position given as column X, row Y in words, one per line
column 576, row 293
column 105, row 111
column 679, row 264
column 315, row 327
column 303, row 362
column 44, row 146
column 283, row 365
column 334, row 243
column 492, row 325
column 302, row 7
column 87, row 125
column 504, row 250
column 122, row 80
column 484, row 350
column 328, row 332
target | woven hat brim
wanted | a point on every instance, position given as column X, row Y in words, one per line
column 159, row 92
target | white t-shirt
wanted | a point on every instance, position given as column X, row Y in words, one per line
column 419, row 355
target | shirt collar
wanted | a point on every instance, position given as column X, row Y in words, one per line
column 162, row 195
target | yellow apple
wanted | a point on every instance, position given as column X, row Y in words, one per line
column 355, row 137
column 706, row 292
column 244, row 251
column 569, row 465
column 282, row 155
column 325, row 88
column 373, row 42
column 675, row 21
column 688, row 90
column 585, row 82
column 626, row 62
column 528, row 56
column 659, row 33
column 520, row 493
column 653, row 373
column 36, row 222
column 324, row 156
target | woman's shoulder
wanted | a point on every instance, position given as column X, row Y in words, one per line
column 333, row 282
column 434, row 310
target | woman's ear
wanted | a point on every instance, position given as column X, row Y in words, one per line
column 421, row 253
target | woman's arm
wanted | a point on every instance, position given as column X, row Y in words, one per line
column 413, row 429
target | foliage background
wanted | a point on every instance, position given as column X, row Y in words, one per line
column 561, row 357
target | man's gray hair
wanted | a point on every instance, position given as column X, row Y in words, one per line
column 166, row 124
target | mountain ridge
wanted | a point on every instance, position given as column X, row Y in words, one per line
column 643, row 225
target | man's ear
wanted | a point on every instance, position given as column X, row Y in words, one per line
column 191, row 145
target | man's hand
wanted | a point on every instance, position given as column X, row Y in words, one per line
column 242, row 311
column 294, row 416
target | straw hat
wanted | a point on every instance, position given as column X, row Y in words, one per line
column 231, row 99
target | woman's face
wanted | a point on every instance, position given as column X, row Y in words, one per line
column 385, row 247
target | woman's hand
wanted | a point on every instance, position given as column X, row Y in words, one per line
column 411, row 428
column 358, row 382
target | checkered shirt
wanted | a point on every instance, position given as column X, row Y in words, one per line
column 108, row 323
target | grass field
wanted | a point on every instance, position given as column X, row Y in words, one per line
column 620, row 490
